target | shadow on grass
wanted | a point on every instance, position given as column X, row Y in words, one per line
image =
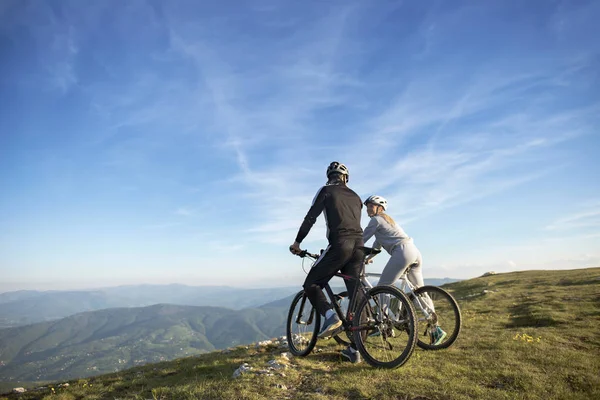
column 507, row 283
column 343, row 365
column 466, row 290
column 330, row 355
column 578, row 383
column 524, row 315
column 506, row 382
column 570, row 282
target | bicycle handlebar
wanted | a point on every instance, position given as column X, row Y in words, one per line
column 305, row 253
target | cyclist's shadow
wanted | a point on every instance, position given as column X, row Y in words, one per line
column 334, row 356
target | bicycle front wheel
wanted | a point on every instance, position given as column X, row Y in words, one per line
column 303, row 325
column 438, row 317
column 385, row 329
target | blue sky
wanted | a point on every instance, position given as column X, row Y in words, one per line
column 160, row 142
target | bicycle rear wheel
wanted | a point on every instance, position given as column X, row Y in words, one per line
column 303, row 325
column 385, row 329
column 435, row 308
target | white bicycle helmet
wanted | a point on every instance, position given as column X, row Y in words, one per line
column 339, row 168
column 380, row 201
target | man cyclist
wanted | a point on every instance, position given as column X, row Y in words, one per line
column 342, row 208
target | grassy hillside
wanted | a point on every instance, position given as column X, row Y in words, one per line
column 526, row 335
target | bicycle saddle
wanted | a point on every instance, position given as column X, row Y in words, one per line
column 369, row 250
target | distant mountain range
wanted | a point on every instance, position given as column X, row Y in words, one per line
column 26, row 307
column 109, row 340
column 30, row 306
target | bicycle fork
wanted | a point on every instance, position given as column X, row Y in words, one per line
column 430, row 317
column 301, row 311
column 416, row 300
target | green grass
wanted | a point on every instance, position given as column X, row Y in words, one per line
column 534, row 335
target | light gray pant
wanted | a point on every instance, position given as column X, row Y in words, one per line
column 402, row 257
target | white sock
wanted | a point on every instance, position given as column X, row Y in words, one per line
column 329, row 313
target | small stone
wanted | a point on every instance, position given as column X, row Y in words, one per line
column 298, row 339
column 242, row 368
column 275, row 365
column 63, row 385
column 281, row 386
column 19, row 390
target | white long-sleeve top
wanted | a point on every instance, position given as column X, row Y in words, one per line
column 386, row 234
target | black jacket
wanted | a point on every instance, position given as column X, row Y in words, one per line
column 342, row 213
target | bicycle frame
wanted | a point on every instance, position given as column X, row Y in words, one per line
column 404, row 285
column 346, row 319
column 346, row 322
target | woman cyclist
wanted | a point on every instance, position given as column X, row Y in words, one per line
column 403, row 252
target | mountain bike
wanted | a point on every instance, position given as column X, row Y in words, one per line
column 434, row 307
column 384, row 310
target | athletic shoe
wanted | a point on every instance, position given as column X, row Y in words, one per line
column 437, row 336
column 331, row 326
column 353, row 356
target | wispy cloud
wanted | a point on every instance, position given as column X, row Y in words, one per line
column 455, row 165
column 184, row 212
column 429, row 142
column 53, row 68
column 427, row 148
column 226, row 247
column 587, row 217
column 63, row 70
column 160, row 226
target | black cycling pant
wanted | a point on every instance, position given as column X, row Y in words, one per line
column 342, row 255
